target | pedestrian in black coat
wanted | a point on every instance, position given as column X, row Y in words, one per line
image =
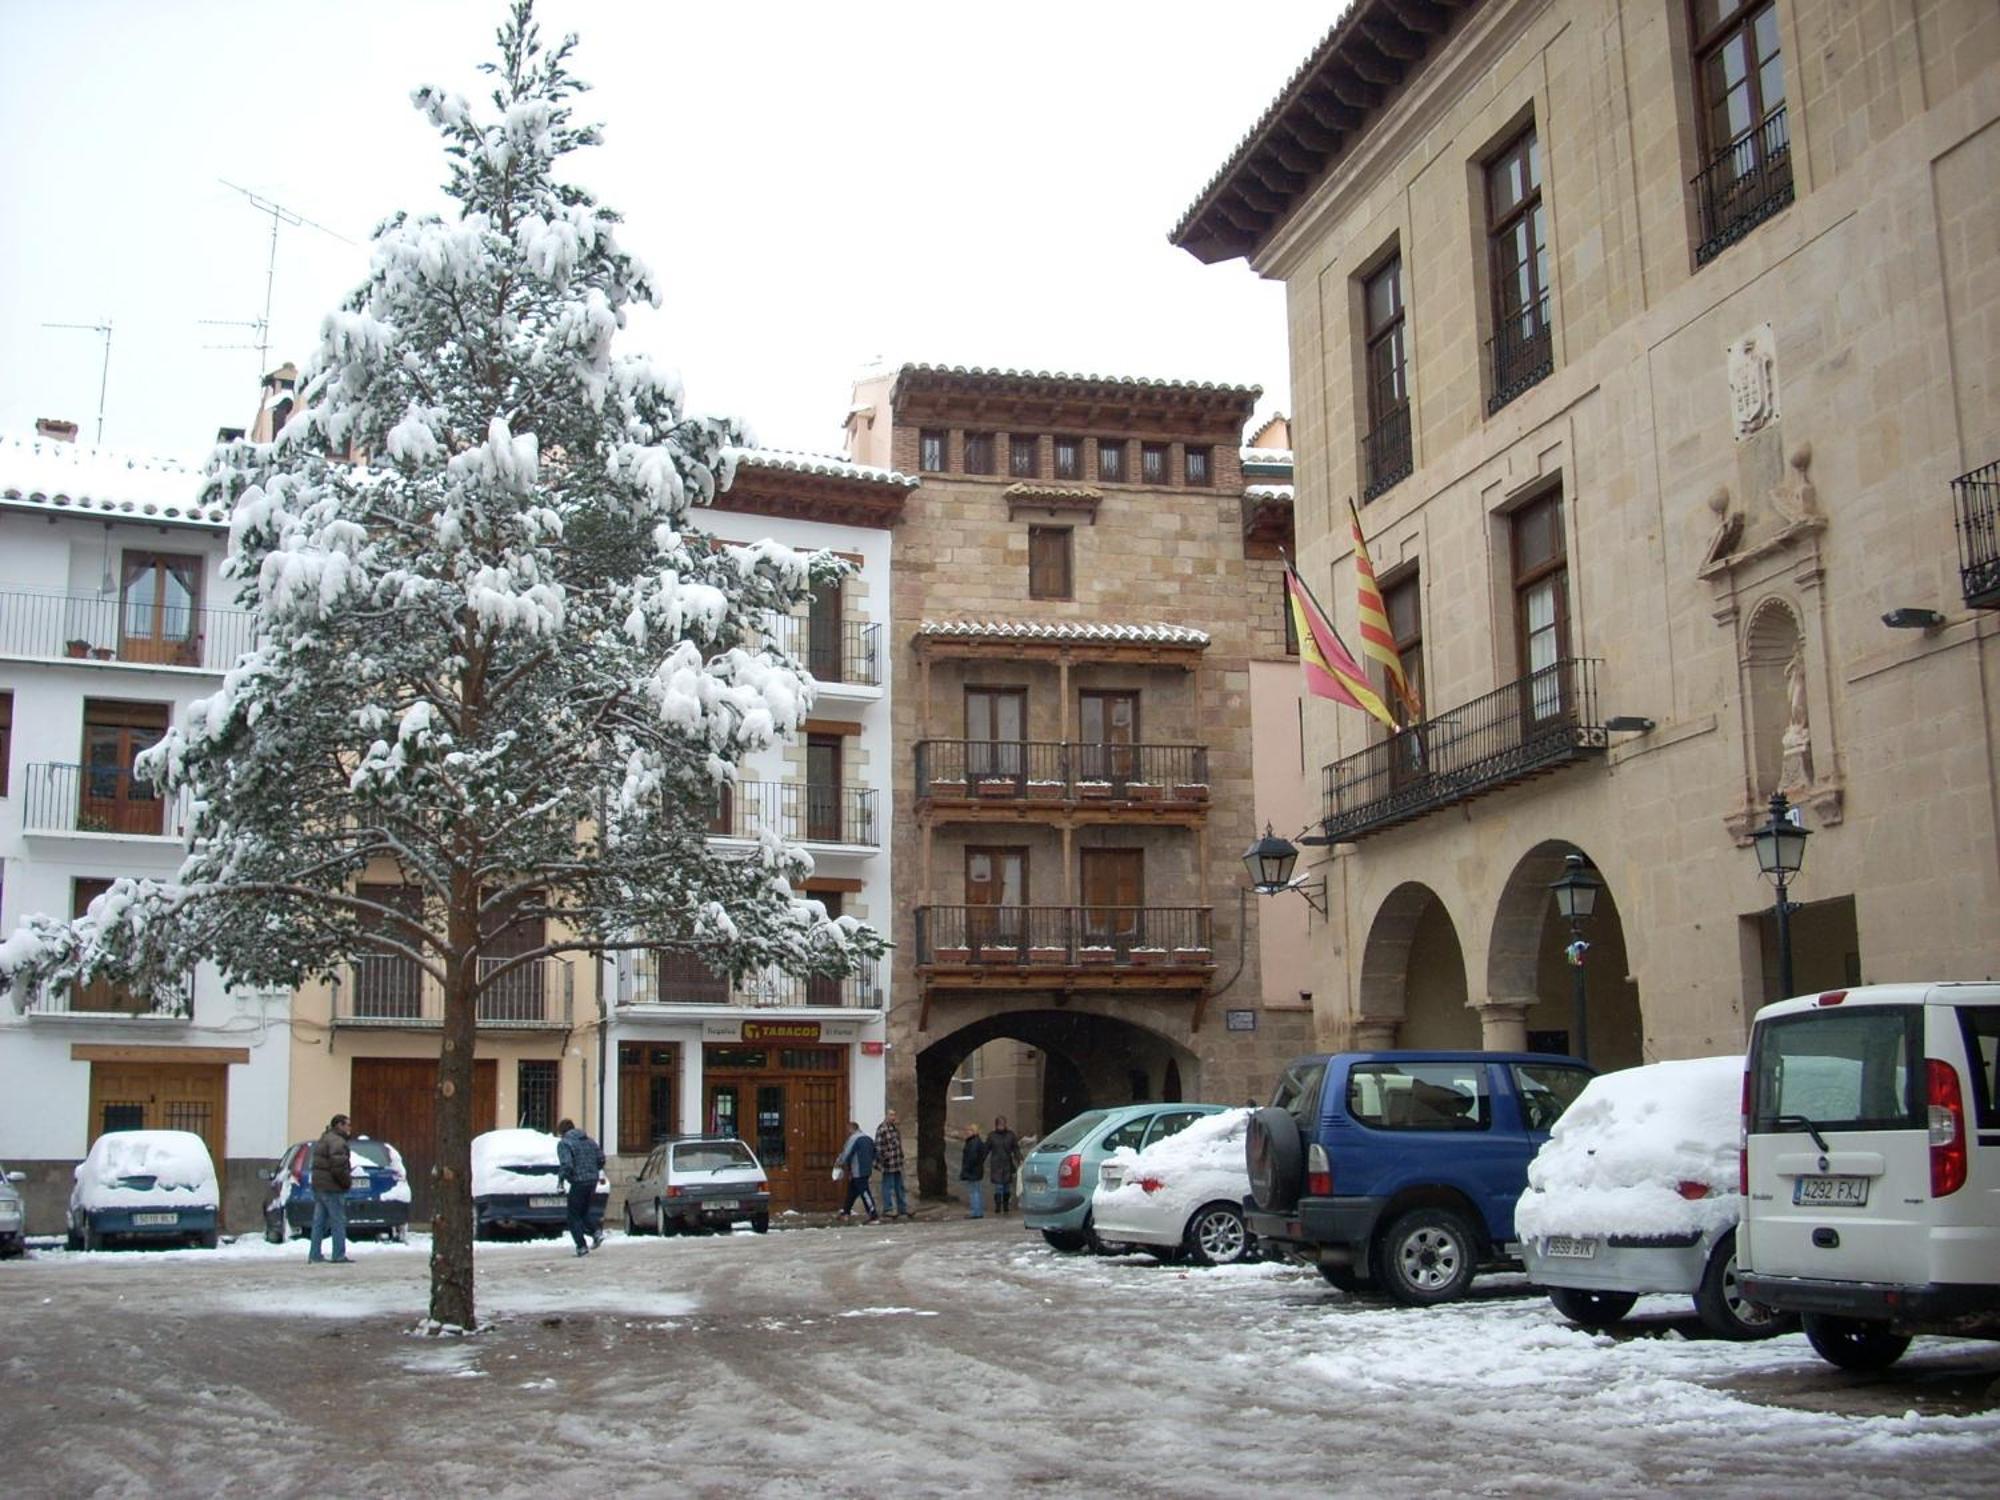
column 972, row 1171
column 1003, row 1160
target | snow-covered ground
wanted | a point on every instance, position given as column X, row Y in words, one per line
column 927, row 1358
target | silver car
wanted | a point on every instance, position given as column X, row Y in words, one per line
column 698, row 1182
column 13, row 1220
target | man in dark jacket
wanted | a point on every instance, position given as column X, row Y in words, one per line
column 1003, row 1160
column 578, row 1163
column 857, row 1160
column 889, row 1157
column 332, row 1174
column 972, row 1171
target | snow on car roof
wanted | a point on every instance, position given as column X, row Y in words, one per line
column 1206, row 1160
column 173, row 1156
column 1615, row 1160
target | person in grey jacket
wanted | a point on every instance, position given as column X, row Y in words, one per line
column 1003, row 1160
column 332, row 1174
column 579, row 1159
column 857, row 1161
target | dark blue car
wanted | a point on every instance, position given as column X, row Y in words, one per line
column 377, row 1204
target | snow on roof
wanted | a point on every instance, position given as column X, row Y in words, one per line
column 797, row 462
column 1267, row 492
column 1267, row 455
column 1145, row 381
column 1066, row 630
column 47, row 475
column 1026, row 491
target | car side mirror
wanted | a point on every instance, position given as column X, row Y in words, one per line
column 17, row 1176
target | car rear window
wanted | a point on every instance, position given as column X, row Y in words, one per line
column 712, row 1156
column 1298, row 1094
column 369, row 1153
column 1071, row 1132
column 1838, row 1070
column 1420, row 1096
column 1981, row 1025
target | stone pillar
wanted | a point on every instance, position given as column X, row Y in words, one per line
column 1503, row 1025
column 1373, row 1033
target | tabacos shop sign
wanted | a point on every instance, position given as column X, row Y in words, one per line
column 781, row 1031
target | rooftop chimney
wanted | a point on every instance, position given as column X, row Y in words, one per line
column 55, row 427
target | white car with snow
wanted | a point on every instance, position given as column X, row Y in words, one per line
column 1635, row 1191
column 144, row 1185
column 1180, row 1196
column 516, row 1187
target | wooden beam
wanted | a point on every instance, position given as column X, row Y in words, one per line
column 1376, row 67
column 1393, row 41
column 1421, row 16
column 1350, row 88
column 128, row 1053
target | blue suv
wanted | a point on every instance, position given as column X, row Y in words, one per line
column 1399, row 1171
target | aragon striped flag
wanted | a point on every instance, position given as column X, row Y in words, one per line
column 1377, row 640
column 1330, row 671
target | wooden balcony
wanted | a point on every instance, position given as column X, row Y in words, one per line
column 1976, row 499
column 1539, row 724
column 987, row 781
column 1064, row 948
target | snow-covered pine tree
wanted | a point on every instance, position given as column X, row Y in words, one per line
column 495, row 661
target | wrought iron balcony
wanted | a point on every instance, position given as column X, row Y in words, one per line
column 1521, row 352
column 390, row 991
column 851, row 656
column 1061, row 943
column 1056, row 773
column 665, row 977
column 1543, row 721
column 1745, row 183
column 1387, row 452
column 103, row 999
column 800, row 812
column 94, row 627
column 1976, row 496
column 98, row 799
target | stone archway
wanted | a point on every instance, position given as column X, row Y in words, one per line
column 1092, row 1060
column 1529, row 979
column 1413, row 990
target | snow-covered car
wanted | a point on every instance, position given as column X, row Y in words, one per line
column 516, row 1187
column 1636, row 1191
column 377, row 1204
column 144, row 1185
column 1182, row 1195
column 703, row 1182
column 13, row 1215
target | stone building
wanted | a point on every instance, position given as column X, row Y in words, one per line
column 1655, row 343
column 1074, row 620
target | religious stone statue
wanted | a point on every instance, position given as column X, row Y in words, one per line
column 1795, row 769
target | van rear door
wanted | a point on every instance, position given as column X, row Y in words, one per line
column 1838, row 1143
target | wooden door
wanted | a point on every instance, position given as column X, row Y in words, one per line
column 113, row 799
column 819, row 990
column 394, row 1099
column 158, row 609
column 996, row 888
column 520, row 994
column 996, row 726
column 100, row 995
column 1114, row 895
column 823, row 788
column 648, row 1074
column 162, row 1096
column 1109, row 723
column 824, row 632
column 818, row 1126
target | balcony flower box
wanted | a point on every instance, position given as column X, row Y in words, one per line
column 1193, row 958
column 77, row 649
column 1094, row 955
column 951, row 957
column 1147, row 955
column 1048, row 958
column 1142, row 791
column 999, row 787
column 1045, row 791
column 1190, row 791
column 1094, row 791
column 999, row 953
column 954, row 788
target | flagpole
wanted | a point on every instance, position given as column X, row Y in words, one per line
column 1290, row 568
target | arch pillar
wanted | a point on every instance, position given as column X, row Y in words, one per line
column 1373, row 1034
column 1503, row 1025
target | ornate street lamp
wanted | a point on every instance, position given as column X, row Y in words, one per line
column 1781, row 851
column 1270, row 861
column 1576, row 898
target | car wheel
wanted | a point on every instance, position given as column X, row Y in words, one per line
column 1854, row 1344
column 92, row 1240
column 631, row 1224
column 1426, row 1256
column 1276, row 1155
column 1721, row 1305
column 1216, row 1236
column 207, row 1240
column 276, row 1229
column 1069, row 1241
column 71, row 1239
column 662, row 1225
column 760, row 1223
column 1588, row 1309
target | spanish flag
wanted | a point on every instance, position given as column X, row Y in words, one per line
column 1330, row 671
column 1377, row 640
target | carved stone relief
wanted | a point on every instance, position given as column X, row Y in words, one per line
column 1753, row 381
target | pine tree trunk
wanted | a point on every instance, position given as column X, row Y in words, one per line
column 451, row 1222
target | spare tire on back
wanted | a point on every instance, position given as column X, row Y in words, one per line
column 1276, row 1158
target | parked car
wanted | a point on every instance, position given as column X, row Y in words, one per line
column 701, row 1182
column 13, row 1216
column 1180, row 1195
column 1060, row 1173
column 515, row 1186
column 138, row 1185
column 377, row 1204
column 1636, row 1192
column 1400, row 1170
column 1871, row 1166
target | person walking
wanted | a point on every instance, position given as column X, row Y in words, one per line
column 856, row 1161
column 889, row 1157
column 1003, row 1160
column 578, row 1163
column 972, row 1171
column 332, row 1174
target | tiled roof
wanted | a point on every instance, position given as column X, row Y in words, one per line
column 1066, row 630
column 1052, row 492
column 1267, row 492
column 1137, row 381
column 820, row 463
column 1267, row 455
column 47, row 475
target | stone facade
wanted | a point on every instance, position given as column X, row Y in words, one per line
column 1752, row 447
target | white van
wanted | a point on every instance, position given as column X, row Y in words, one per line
column 1871, row 1166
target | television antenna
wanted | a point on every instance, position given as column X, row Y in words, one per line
column 103, row 330
column 262, row 326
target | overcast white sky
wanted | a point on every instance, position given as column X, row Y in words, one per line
column 815, row 186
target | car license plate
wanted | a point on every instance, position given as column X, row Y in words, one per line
column 730, row 1203
column 1036, row 1182
column 1567, row 1247
column 548, row 1202
column 1848, row 1192
column 154, row 1219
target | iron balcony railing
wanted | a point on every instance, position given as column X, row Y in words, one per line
column 94, row 627
column 668, row 977
column 851, row 655
column 101, row 998
column 1976, row 496
column 1521, row 352
column 1744, row 183
column 388, row 990
column 801, row 812
column 1065, row 937
column 1542, row 721
column 1387, row 452
column 98, row 799
column 1053, row 771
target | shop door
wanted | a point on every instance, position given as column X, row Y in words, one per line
column 1113, row 898
column 793, row 1114
column 646, row 1078
column 162, row 1096
column 394, row 1099
column 818, row 1127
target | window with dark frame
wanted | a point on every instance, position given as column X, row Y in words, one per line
column 1402, row 601
column 1023, row 455
column 1069, row 458
column 536, row 1094
column 1291, row 623
column 1387, row 446
column 1522, row 351
column 1746, row 148
column 1049, row 559
column 1196, row 465
column 6, row 738
column 1153, row 463
column 1541, row 604
column 978, row 453
column 1111, row 460
column 933, row 448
